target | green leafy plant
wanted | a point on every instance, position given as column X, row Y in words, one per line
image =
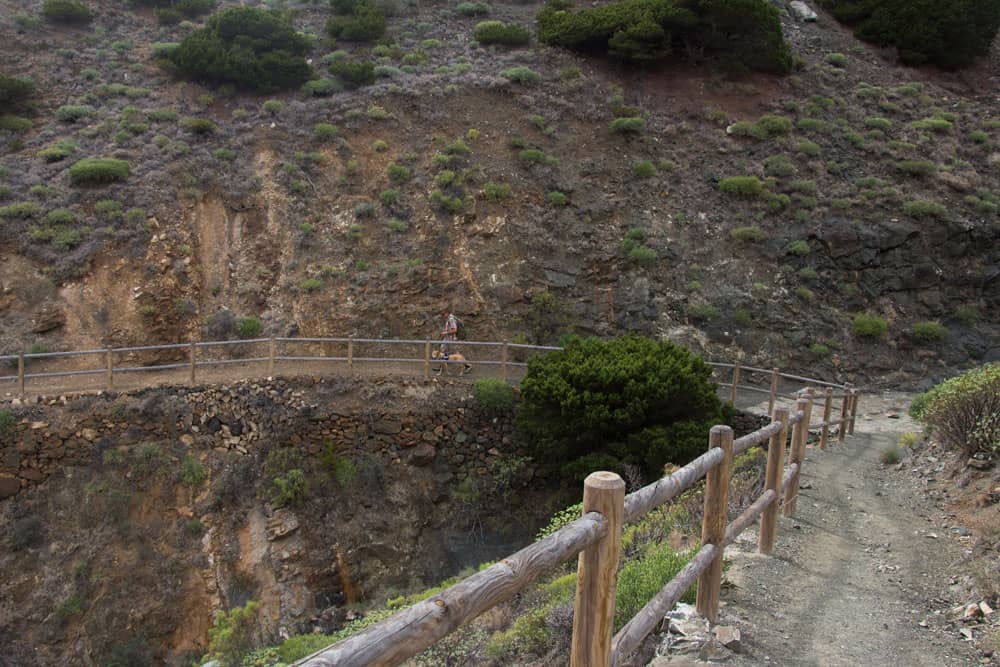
column 249, row 327
column 98, row 171
column 964, row 411
column 493, row 395
column 67, row 11
column 290, row 489
column 234, row 633
column 742, row 186
column 929, row 332
column 497, row 32
column 870, row 327
column 521, row 75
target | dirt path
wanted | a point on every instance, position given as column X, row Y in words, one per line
column 862, row 576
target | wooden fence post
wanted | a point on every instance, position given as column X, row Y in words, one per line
column 111, row 369
column 271, row 345
column 427, row 360
column 774, row 391
column 775, row 469
column 350, row 355
column 736, row 381
column 20, row 374
column 854, row 410
column 503, row 362
column 713, row 527
column 800, row 432
column 597, row 574
column 826, row 418
column 844, row 412
column 192, row 351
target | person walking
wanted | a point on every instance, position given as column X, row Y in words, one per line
column 449, row 333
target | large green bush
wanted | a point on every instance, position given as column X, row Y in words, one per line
column 66, row 11
column 641, row 401
column 493, row 395
column 250, row 48
column 98, row 171
column 497, row 32
column 14, row 91
column 950, row 33
column 745, row 32
column 360, row 21
column 964, row 412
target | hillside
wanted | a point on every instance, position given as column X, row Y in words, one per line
column 881, row 188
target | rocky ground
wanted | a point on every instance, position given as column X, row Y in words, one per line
column 875, row 569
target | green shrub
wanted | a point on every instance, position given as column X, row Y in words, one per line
column 890, row 455
column 311, row 284
column 809, row 148
column 964, row 411
column 950, row 33
column 628, row 125
column 98, row 171
column 399, row 173
column 273, row 107
column 325, row 131
column 557, row 198
column 322, row 87
column 595, row 393
column 199, row 126
column 472, row 8
column 749, row 234
column 703, row 312
column 135, row 215
column 193, row 473
column 109, row 209
column 70, row 113
column 967, row 315
column 916, row 167
column 979, row 137
column 642, row 255
column 21, row 210
column 798, row 248
column 921, row 208
column 249, row 327
column 939, row 125
column 778, row 166
column 929, row 332
column 522, row 75
column 497, row 32
column 820, row 350
column 14, row 124
column 15, row 91
column 496, row 191
column 742, row 186
column 643, row 169
column 364, row 23
column 494, row 396
column 642, row 578
column 869, row 326
column 353, row 73
column 290, row 489
column 747, row 33
column 66, row 11
column 878, row 123
column 250, row 48
column 836, row 59
column 774, row 126
column 234, row 633
column 60, row 216
column 535, row 156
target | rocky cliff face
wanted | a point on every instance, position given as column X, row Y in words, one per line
column 134, row 517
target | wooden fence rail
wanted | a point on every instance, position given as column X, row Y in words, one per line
column 595, row 539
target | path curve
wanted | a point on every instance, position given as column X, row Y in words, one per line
column 861, row 576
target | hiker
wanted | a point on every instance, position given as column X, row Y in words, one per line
column 449, row 333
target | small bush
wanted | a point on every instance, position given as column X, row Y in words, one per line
column 921, row 208
column 364, row 23
column 890, row 456
column 109, row 209
column 20, row 210
column 749, row 234
column 15, row 91
column 310, row 285
column 497, row 32
column 249, row 327
column 916, row 167
column 70, row 113
column 399, row 173
column 964, row 411
column 322, row 87
column 496, row 191
column 290, row 489
column 494, row 396
column 557, row 198
column 967, row 315
column 869, row 327
column 325, row 131
column 353, row 73
column 643, row 169
column 939, row 125
column 742, row 186
column 798, row 248
column 472, row 9
column 836, row 59
column 98, row 171
column 908, row 439
column 628, row 125
column 60, row 216
column 193, row 473
column 778, row 166
column 703, row 312
column 234, row 633
column 66, row 11
column 929, row 332
column 522, row 75
column 642, row 578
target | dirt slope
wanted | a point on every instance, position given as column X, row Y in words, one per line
column 863, row 565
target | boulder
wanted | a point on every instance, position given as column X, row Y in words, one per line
column 9, row 486
column 423, row 454
column 802, row 11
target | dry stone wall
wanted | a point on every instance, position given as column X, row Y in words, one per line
column 408, row 422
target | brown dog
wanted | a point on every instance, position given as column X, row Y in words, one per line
column 451, row 357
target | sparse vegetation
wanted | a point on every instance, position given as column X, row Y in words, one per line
column 497, row 32
column 964, row 411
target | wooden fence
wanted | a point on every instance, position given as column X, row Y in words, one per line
column 595, row 539
column 264, row 357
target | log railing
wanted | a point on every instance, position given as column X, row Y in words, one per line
column 595, row 539
column 105, row 368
